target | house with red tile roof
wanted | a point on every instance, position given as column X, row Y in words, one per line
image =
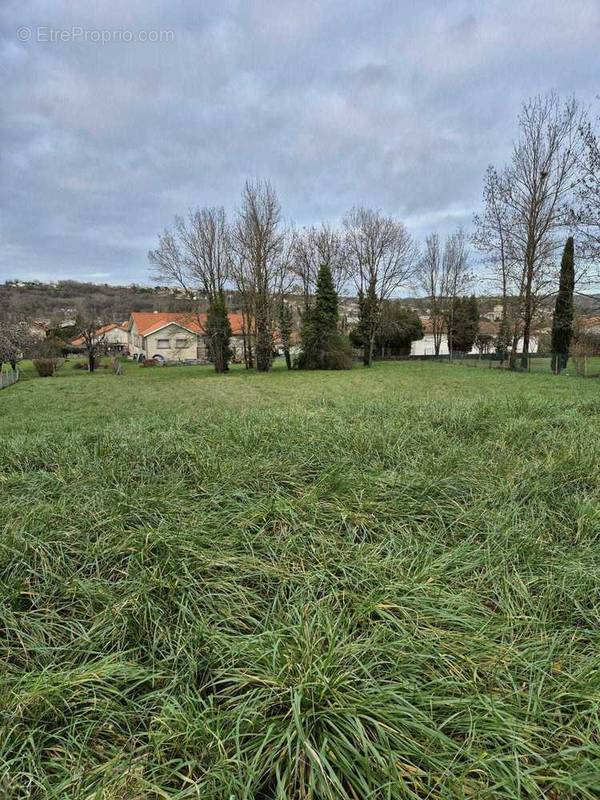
column 175, row 337
column 590, row 324
column 114, row 337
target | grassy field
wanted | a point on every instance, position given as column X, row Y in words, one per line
column 375, row 584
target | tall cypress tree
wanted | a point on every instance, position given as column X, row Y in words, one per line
column 323, row 347
column 463, row 329
column 326, row 312
column 218, row 333
column 562, row 322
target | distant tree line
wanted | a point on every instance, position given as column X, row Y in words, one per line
column 265, row 262
column 285, row 282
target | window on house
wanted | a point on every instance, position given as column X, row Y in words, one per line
column 181, row 343
column 163, row 344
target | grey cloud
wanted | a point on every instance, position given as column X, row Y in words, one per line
column 388, row 103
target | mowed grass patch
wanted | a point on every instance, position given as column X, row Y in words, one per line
column 376, row 584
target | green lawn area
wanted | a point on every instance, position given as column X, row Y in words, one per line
column 374, row 584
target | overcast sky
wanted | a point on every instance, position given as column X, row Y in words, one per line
column 396, row 105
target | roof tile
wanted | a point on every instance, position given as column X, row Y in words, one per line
column 148, row 321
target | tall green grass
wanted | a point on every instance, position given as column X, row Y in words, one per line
column 375, row 584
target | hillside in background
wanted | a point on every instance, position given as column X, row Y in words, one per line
column 53, row 303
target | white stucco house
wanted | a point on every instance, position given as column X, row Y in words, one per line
column 114, row 337
column 426, row 345
column 174, row 337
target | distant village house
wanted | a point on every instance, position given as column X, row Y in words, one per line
column 487, row 330
column 113, row 337
column 172, row 337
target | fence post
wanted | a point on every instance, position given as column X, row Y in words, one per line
column 8, row 378
column 585, row 366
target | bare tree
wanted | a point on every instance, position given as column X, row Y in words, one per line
column 242, row 280
column 14, row 340
column 429, row 275
column 444, row 275
column 381, row 256
column 586, row 215
column 492, row 237
column 457, row 277
column 537, row 189
column 90, row 331
column 313, row 248
column 169, row 263
column 260, row 243
column 197, row 258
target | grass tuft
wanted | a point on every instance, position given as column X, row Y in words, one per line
column 377, row 584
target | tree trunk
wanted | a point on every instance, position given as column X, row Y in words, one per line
column 559, row 362
column 504, row 320
column 264, row 346
column 527, row 306
column 437, row 337
column 288, row 358
column 247, row 341
column 91, row 362
column 526, row 336
column 368, row 351
column 450, row 334
column 512, row 361
column 220, row 358
column 248, row 360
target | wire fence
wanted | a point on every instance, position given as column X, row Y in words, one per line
column 585, row 366
column 8, row 377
